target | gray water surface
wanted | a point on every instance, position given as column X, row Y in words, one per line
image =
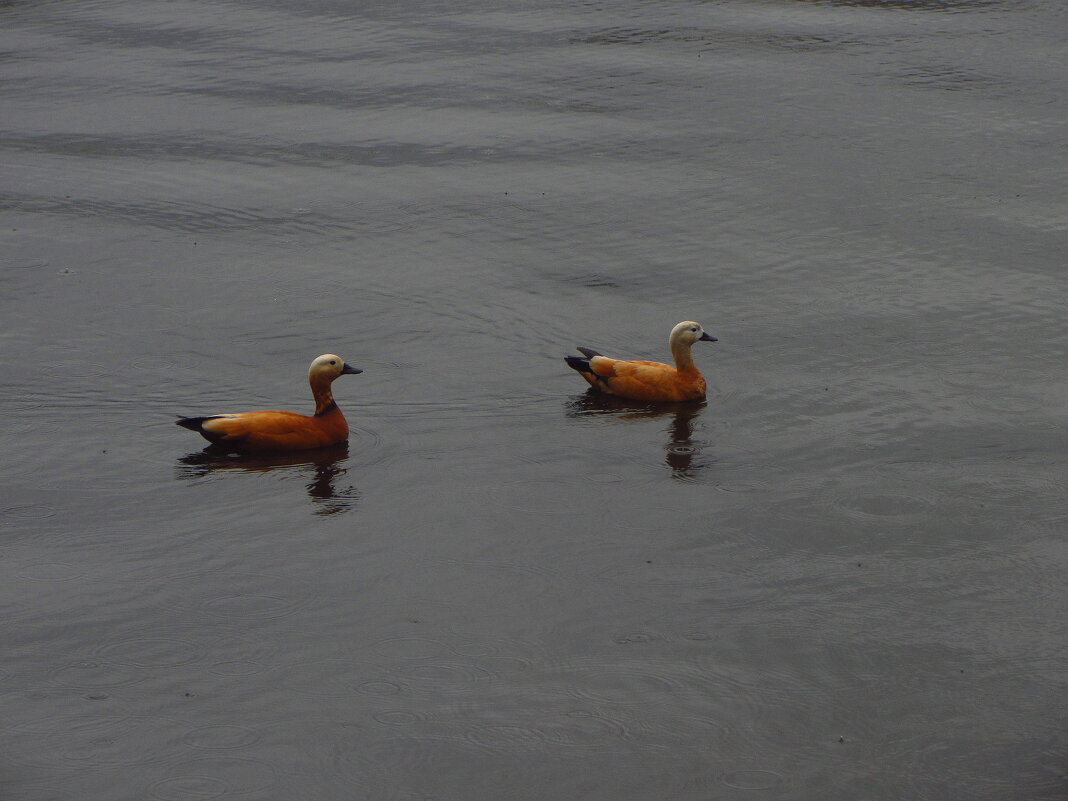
column 842, row 577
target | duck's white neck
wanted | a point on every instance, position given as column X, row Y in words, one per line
column 682, row 354
column 324, row 397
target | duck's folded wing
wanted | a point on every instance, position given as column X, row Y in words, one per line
column 633, row 368
column 269, row 422
column 644, row 380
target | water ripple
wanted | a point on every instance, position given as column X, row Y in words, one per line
column 248, row 596
column 443, row 678
column 616, row 682
column 213, row 777
column 222, row 737
column 151, row 652
column 81, row 741
column 96, row 675
column 335, row 678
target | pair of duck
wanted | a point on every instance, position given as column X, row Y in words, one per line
column 276, row 430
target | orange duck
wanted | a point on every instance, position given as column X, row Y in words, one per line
column 648, row 381
column 276, row 430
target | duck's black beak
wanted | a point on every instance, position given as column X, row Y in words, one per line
column 707, row 337
column 348, row 369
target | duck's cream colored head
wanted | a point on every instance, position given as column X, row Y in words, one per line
column 687, row 332
column 329, row 366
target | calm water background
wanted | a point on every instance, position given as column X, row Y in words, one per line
column 844, row 577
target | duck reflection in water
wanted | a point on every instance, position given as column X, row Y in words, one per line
column 682, row 456
column 323, row 467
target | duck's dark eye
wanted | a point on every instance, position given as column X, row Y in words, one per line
column 694, row 330
column 334, row 362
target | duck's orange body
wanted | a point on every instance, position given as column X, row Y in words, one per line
column 278, row 430
column 644, row 380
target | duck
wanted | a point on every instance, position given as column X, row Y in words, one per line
column 642, row 380
column 277, row 430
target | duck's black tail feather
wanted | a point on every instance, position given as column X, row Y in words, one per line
column 575, row 363
column 197, row 424
column 589, row 353
column 192, row 423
